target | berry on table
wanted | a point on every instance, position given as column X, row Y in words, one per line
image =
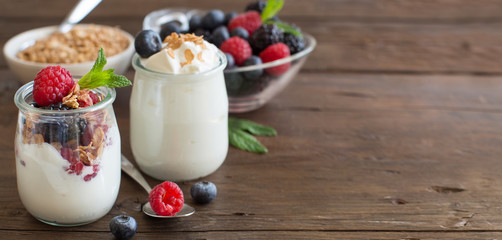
column 238, row 48
column 295, row 43
column 253, row 74
column 265, row 36
column 240, row 32
column 166, row 199
column 213, row 19
column 272, row 53
column 203, row 192
column 51, row 84
column 249, row 20
column 147, row 43
column 219, row 35
column 167, row 28
column 123, row 227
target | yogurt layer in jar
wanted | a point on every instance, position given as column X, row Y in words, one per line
column 179, row 110
column 67, row 162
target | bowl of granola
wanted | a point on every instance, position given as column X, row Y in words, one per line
column 29, row 52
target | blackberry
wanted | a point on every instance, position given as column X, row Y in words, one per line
column 256, row 6
column 265, row 36
column 295, row 43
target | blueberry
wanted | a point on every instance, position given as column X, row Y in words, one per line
column 230, row 61
column 229, row 16
column 147, row 43
column 202, row 32
column 123, row 226
column 239, row 32
column 203, row 192
column 253, row 74
column 213, row 19
column 233, row 82
column 194, row 23
column 219, row 35
column 167, row 28
column 256, row 6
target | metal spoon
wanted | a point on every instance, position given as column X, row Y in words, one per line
column 78, row 13
column 128, row 168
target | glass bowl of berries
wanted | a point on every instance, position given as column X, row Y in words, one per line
column 263, row 53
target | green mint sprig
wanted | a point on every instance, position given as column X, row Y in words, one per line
column 98, row 78
column 271, row 9
column 239, row 134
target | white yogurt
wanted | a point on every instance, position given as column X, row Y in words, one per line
column 179, row 118
column 53, row 195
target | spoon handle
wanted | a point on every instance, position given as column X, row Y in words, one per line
column 133, row 172
column 78, row 13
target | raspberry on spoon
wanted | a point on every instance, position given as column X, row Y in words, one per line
column 166, row 199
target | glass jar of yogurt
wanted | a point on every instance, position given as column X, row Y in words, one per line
column 179, row 121
column 67, row 161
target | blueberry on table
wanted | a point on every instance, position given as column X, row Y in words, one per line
column 123, row 227
column 239, row 32
column 213, row 19
column 219, row 35
column 167, row 28
column 203, row 192
column 147, row 43
column 253, row 74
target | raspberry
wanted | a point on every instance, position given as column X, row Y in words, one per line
column 272, row 53
column 94, row 97
column 51, row 84
column 238, row 48
column 166, row 199
column 249, row 20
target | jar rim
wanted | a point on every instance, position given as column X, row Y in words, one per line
column 136, row 63
column 27, row 90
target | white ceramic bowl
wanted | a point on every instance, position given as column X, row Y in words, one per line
column 26, row 70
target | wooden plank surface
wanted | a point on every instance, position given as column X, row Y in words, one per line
column 391, row 131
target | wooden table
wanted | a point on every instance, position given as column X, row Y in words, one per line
column 392, row 130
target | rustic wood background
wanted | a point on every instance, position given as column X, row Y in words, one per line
column 392, row 130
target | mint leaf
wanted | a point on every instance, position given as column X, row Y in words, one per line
column 286, row 28
column 245, row 141
column 98, row 78
column 271, row 9
column 239, row 135
column 251, row 127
